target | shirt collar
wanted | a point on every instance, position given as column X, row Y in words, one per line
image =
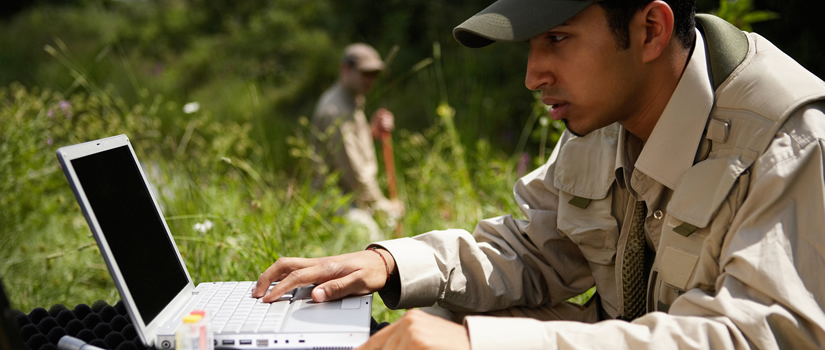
column 671, row 149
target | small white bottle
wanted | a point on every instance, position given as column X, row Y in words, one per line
column 188, row 335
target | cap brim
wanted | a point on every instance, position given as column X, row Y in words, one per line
column 370, row 66
column 515, row 20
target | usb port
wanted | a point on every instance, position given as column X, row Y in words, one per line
column 228, row 342
column 262, row 342
column 246, row 341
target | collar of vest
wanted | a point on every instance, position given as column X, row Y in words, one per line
column 727, row 46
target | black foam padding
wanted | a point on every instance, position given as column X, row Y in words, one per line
column 38, row 314
column 86, row 335
column 120, row 307
column 22, row 320
column 47, row 324
column 56, row 308
column 127, row 346
column 81, row 311
column 100, row 325
column 28, row 331
column 91, row 320
column 113, row 339
column 74, row 327
column 129, row 332
column 138, row 343
column 99, row 343
column 102, row 329
column 63, row 317
column 107, row 313
column 99, row 304
column 37, row 341
column 118, row 322
column 55, row 334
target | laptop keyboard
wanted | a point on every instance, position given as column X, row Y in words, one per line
column 234, row 310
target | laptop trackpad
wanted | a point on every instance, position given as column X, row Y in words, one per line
column 334, row 316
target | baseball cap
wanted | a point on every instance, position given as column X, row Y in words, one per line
column 516, row 20
column 363, row 57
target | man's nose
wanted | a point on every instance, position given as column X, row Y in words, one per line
column 539, row 71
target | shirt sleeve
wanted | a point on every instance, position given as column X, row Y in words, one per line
column 505, row 262
column 770, row 291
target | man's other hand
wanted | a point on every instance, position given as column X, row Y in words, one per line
column 335, row 277
column 382, row 122
column 419, row 330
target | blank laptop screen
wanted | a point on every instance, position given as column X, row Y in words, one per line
column 133, row 228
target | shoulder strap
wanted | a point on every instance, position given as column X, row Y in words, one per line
column 727, row 46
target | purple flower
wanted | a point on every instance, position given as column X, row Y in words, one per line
column 49, row 141
column 50, row 113
column 66, row 106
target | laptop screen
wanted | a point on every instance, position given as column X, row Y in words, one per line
column 133, row 228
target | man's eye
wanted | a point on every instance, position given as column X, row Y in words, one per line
column 556, row 38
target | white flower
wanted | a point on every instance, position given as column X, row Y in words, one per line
column 191, row 107
column 204, row 226
column 544, row 121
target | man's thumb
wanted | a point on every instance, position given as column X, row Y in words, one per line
column 330, row 290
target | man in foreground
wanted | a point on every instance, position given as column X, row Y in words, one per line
column 688, row 189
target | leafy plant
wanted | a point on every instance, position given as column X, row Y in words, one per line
column 742, row 14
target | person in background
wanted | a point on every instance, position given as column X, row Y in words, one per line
column 349, row 146
column 688, row 188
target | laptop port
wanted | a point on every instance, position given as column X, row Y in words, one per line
column 228, row 342
column 262, row 343
column 246, row 341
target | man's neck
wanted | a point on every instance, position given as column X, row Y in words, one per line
column 664, row 77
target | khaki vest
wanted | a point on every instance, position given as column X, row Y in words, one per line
column 757, row 87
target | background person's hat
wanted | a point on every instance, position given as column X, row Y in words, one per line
column 363, row 58
column 516, row 20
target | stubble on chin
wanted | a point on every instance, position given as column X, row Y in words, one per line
column 566, row 125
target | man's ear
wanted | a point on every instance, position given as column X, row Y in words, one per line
column 652, row 27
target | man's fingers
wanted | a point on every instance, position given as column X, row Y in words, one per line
column 278, row 271
column 313, row 274
column 377, row 340
column 339, row 288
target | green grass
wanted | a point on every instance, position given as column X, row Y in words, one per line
column 204, row 170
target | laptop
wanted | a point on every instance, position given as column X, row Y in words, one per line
column 155, row 285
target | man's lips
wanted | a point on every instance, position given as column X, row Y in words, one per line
column 558, row 110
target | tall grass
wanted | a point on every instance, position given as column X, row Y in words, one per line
column 204, row 171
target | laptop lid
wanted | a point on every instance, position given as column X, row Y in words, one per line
column 128, row 225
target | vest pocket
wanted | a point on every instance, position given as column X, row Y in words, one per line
column 593, row 229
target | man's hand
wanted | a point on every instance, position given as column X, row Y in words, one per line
column 335, row 277
column 419, row 330
column 382, row 122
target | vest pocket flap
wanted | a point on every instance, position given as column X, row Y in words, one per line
column 592, row 178
column 703, row 188
column 676, row 266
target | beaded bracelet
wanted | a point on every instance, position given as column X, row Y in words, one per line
column 385, row 261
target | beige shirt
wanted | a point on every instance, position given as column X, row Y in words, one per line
column 348, row 147
column 757, row 282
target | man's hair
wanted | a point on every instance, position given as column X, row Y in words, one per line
column 620, row 12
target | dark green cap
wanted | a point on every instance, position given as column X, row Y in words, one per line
column 516, row 20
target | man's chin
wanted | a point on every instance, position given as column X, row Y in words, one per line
column 566, row 125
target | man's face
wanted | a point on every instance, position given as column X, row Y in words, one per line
column 583, row 75
column 359, row 81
